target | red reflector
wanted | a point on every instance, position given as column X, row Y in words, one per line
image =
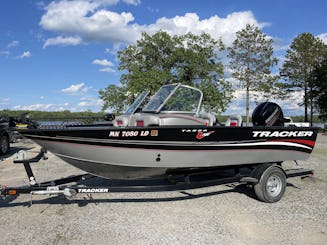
column 119, row 122
column 233, row 124
column 139, row 123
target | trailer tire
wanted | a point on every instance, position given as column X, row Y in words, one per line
column 4, row 144
column 272, row 185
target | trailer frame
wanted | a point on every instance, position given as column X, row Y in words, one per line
column 174, row 181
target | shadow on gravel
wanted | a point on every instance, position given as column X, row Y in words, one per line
column 13, row 150
column 83, row 201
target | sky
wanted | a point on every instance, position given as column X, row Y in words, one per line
column 57, row 55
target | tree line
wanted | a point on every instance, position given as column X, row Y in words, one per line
column 90, row 117
column 197, row 60
column 66, row 115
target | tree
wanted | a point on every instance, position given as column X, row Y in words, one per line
column 113, row 97
column 251, row 60
column 161, row 59
column 319, row 88
column 305, row 53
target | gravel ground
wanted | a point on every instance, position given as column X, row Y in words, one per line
column 226, row 214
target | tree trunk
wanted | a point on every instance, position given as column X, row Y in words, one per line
column 311, row 107
column 311, row 112
column 247, row 106
column 305, row 104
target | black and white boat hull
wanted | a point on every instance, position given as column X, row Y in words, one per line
column 150, row 151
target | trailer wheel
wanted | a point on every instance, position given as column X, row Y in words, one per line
column 271, row 186
column 4, row 144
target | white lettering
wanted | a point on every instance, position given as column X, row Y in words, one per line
column 145, row 133
column 292, row 134
column 114, row 134
column 282, row 134
column 301, row 134
column 93, row 190
column 308, row 133
column 130, row 133
column 274, row 134
column 265, row 134
column 194, row 130
column 256, row 133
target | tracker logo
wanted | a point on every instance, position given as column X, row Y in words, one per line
column 282, row 134
column 93, row 190
column 202, row 135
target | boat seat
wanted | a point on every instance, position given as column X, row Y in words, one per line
column 234, row 121
column 209, row 118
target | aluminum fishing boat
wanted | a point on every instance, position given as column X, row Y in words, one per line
column 168, row 132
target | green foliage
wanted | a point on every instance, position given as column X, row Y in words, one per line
column 251, row 62
column 184, row 99
column 162, row 59
column 304, row 55
column 113, row 97
column 319, row 85
column 85, row 117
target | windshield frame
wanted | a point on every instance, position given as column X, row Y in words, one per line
column 177, row 86
column 137, row 102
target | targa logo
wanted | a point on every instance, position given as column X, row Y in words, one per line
column 201, row 135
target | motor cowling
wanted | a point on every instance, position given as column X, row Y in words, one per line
column 268, row 114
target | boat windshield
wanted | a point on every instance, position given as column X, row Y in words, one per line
column 177, row 98
column 137, row 103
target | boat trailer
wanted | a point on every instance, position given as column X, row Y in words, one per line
column 268, row 181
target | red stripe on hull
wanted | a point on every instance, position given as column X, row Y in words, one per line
column 310, row 143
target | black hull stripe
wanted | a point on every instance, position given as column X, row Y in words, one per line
column 177, row 147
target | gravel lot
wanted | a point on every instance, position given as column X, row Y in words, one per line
column 214, row 215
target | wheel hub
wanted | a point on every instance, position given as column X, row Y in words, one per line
column 274, row 185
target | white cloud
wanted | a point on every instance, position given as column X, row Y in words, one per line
column 43, row 107
column 76, row 89
column 92, row 22
column 5, row 53
column 107, row 69
column 64, row 41
column 103, row 62
column 106, row 64
column 152, row 10
column 13, row 43
column 25, row 54
column 114, row 50
column 86, row 20
column 216, row 26
column 33, row 107
column 323, row 37
column 90, row 102
column 132, row 2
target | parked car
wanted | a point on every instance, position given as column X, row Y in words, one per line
column 6, row 135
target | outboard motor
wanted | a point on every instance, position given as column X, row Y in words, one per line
column 268, row 114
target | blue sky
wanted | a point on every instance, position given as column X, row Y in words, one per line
column 56, row 55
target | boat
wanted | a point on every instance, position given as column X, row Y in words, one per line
column 169, row 133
